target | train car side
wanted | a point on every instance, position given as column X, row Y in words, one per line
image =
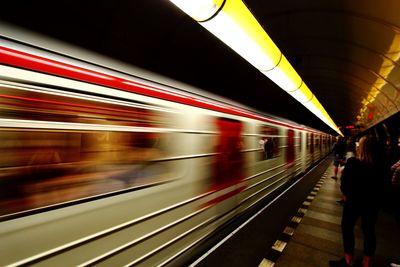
column 99, row 175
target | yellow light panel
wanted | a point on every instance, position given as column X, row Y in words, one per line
column 303, row 94
column 235, row 29
column 234, row 24
column 284, row 75
column 199, row 10
column 238, row 12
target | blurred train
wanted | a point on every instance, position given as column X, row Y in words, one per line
column 104, row 166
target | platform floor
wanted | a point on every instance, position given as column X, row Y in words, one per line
column 313, row 236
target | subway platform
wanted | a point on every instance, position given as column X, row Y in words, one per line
column 313, row 236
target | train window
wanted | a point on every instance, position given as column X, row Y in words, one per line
column 32, row 105
column 228, row 161
column 290, row 152
column 269, row 142
column 311, row 142
column 78, row 148
column 300, row 144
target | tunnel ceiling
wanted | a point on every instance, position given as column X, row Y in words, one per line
column 347, row 52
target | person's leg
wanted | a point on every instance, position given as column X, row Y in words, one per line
column 369, row 218
column 349, row 219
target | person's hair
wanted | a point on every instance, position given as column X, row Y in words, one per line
column 369, row 150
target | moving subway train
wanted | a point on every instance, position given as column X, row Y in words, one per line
column 101, row 165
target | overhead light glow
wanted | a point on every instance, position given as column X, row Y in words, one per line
column 284, row 75
column 200, row 10
column 233, row 24
column 302, row 94
column 230, row 32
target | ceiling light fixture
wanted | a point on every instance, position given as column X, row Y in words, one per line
column 233, row 24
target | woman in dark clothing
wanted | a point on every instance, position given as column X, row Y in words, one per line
column 362, row 184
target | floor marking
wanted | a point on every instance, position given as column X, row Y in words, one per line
column 296, row 219
column 302, row 210
column 288, row 230
column 310, row 197
column 266, row 263
column 279, row 245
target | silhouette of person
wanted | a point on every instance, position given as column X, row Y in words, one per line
column 339, row 153
column 363, row 184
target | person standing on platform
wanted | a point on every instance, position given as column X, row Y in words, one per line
column 339, row 153
column 395, row 201
column 363, row 184
column 350, row 152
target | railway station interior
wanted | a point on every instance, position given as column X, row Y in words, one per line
column 201, row 133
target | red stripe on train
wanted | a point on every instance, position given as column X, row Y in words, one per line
column 25, row 60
